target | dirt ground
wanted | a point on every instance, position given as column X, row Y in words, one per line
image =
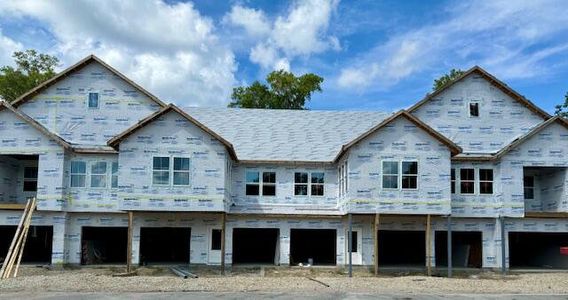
column 278, row 279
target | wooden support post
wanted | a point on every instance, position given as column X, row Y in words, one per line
column 503, row 246
column 350, row 244
column 129, row 245
column 376, row 243
column 14, row 240
column 428, row 247
column 223, row 232
column 450, row 246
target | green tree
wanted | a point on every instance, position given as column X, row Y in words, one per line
column 32, row 68
column 284, row 91
column 562, row 109
column 447, row 78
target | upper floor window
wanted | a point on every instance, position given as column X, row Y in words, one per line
column 342, row 175
column 114, row 175
column 315, row 184
column 30, row 179
column 170, row 170
column 528, row 183
column 93, row 100
column 254, row 183
column 390, row 174
column 474, row 109
column 486, row 181
column 467, row 181
column 161, row 170
column 78, row 173
column 409, row 175
column 453, row 181
column 181, row 171
column 98, row 174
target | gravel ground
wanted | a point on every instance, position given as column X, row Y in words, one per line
column 34, row 279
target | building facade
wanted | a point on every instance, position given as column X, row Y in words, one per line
column 282, row 187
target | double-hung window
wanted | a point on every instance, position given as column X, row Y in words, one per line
column 30, row 179
column 269, row 183
column 467, row 181
column 390, row 174
column 312, row 183
column 252, row 179
column 181, row 171
column 529, row 186
column 78, row 173
column 318, row 180
column 301, row 184
column 114, row 175
column 255, row 182
column 486, row 181
column 409, row 175
column 161, row 170
column 99, row 174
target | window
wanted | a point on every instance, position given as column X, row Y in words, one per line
column 409, row 175
column 317, row 184
column 342, row 174
column 467, row 181
column 354, row 242
column 161, row 170
column 453, row 181
column 30, row 179
column 114, row 175
column 390, row 174
column 528, row 183
column 300, row 184
column 474, row 109
column 98, row 174
column 93, row 100
column 78, row 173
column 181, row 171
column 216, row 235
column 252, row 183
column 486, row 181
column 269, row 183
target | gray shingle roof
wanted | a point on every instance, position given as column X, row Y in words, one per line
column 286, row 135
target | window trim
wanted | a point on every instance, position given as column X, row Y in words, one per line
column 485, row 181
column 170, row 172
column 397, row 175
column 261, row 182
column 188, row 171
column 308, row 184
column 253, row 183
column 400, row 175
column 90, row 172
column 474, row 181
column 86, row 174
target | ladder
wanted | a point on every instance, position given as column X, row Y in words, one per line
column 16, row 250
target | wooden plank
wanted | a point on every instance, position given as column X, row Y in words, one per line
column 26, row 230
column 223, row 227
column 129, row 245
column 13, row 206
column 428, row 247
column 546, row 215
column 376, row 243
column 10, row 252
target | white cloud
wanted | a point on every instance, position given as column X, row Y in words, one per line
column 171, row 49
column 497, row 35
column 303, row 31
column 7, row 48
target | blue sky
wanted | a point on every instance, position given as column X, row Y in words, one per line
column 374, row 55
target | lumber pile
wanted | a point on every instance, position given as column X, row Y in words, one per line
column 16, row 250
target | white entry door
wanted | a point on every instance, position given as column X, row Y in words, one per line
column 357, row 245
column 214, row 244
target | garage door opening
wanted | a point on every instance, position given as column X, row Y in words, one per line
column 466, row 249
column 318, row 245
column 538, row 250
column 164, row 245
column 103, row 245
column 38, row 243
column 402, row 248
column 255, row 246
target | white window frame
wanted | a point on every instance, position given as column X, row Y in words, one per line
column 113, row 174
column 342, row 174
column 254, row 183
column 170, row 171
column 316, row 184
column 400, row 175
column 91, row 174
column 309, row 184
column 71, row 174
column 174, row 171
column 479, row 181
column 262, row 183
column 390, row 175
column 89, row 99
column 475, row 178
column 453, row 181
column 411, row 175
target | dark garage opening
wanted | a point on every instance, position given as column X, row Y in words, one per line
column 164, row 245
column 38, row 243
column 317, row 244
column 255, row 245
column 402, row 248
column 538, row 250
column 103, row 245
column 466, row 249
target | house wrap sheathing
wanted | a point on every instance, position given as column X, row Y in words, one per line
column 282, row 183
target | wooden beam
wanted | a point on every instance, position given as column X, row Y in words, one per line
column 428, row 247
column 129, row 245
column 376, row 243
column 223, row 227
column 14, row 206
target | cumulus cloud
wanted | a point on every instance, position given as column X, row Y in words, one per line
column 302, row 31
column 7, row 47
column 172, row 50
column 494, row 34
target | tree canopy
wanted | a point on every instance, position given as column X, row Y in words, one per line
column 32, row 68
column 447, row 78
column 562, row 109
column 284, row 91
